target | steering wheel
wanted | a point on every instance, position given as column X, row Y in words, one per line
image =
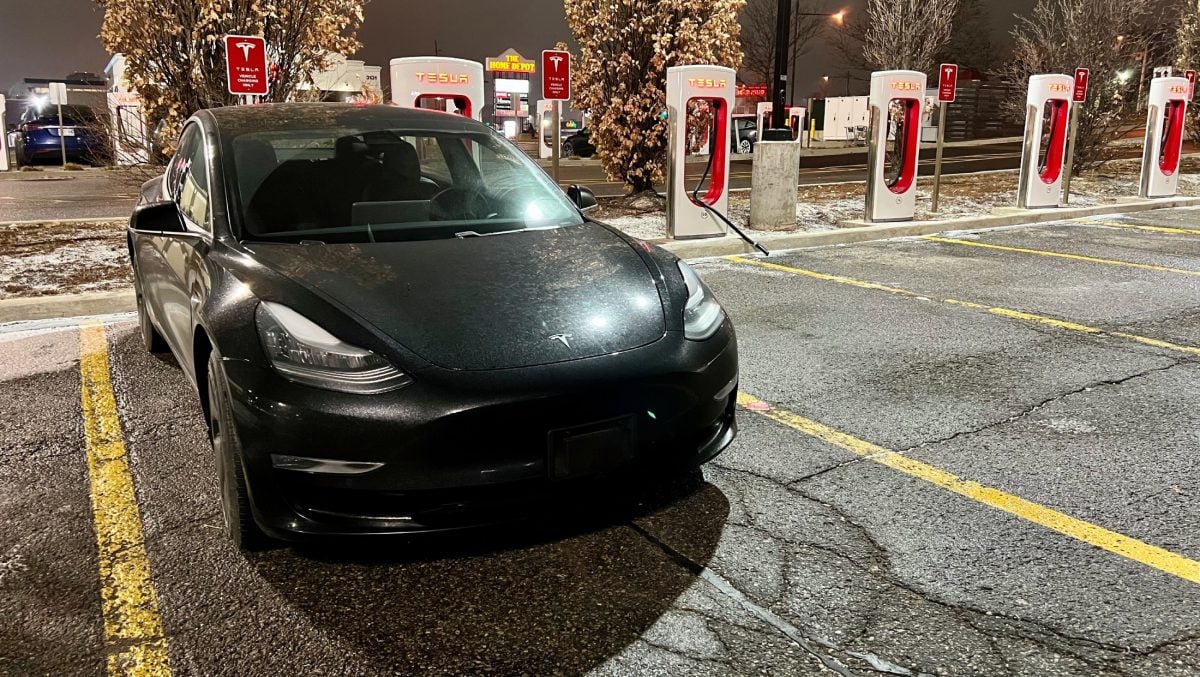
column 459, row 204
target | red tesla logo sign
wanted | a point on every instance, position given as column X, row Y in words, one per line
column 246, row 63
column 556, row 75
column 1191, row 78
column 947, row 82
column 1081, row 85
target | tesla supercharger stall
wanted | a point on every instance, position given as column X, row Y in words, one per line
column 440, row 83
column 1043, row 160
column 1166, row 112
column 895, row 105
column 545, row 128
column 704, row 86
column 794, row 114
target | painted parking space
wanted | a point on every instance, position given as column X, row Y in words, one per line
column 952, row 460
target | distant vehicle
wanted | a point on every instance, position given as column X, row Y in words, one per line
column 38, row 136
column 579, row 144
column 396, row 322
column 745, row 135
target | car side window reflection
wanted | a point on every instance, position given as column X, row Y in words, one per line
column 189, row 180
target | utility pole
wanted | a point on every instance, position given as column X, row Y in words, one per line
column 783, row 24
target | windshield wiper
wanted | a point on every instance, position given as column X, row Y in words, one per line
column 471, row 233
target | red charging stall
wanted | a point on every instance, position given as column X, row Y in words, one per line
column 438, row 83
column 1166, row 112
column 1043, row 161
column 896, row 105
column 711, row 87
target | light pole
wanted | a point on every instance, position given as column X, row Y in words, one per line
column 838, row 18
column 783, row 31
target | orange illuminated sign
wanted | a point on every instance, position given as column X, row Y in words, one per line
column 511, row 63
column 906, row 86
column 1059, row 88
column 1178, row 89
column 751, row 90
column 707, row 83
column 442, row 78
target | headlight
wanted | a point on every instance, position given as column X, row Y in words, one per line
column 305, row 353
column 702, row 315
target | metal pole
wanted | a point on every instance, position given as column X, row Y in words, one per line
column 783, row 23
column 1072, row 128
column 557, row 140
column 62, row 139
column 937, row 163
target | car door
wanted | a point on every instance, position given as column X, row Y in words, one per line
column 182, row 254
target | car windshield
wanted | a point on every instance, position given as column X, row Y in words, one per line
column 338, row 185
column 72, row 115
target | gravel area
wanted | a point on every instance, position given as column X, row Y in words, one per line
column 53, row 257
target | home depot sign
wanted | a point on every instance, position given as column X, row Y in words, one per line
column 511, row 62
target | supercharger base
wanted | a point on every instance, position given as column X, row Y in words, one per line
column 714, row 87
column 896, row 108
column 1166, row 113
column 441, row 83
column 1043, row 158
column 545, row 129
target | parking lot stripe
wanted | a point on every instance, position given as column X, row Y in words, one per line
column 994, row 310
column 1118, row 544
column 135, row 643
column 1140, row 226
column 1061, row 255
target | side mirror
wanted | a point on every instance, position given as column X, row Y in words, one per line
column 157, row 217
column 583, row 197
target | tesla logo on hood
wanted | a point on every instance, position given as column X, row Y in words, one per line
column 564, row 339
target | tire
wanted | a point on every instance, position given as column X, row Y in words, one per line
column 568, row 150
column 744, row 146
column 236, row 514
column 151, row 339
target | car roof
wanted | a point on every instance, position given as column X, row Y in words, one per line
column 232, row 121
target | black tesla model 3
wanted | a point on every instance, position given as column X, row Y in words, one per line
column 397, row 323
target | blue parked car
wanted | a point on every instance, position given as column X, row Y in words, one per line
column 38, row 135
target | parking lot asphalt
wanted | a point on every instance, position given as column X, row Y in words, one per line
column 53, row 194
column 953, row 459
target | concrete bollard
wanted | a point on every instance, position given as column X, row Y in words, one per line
column 773, row 185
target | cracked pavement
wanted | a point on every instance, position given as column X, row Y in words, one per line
column 786, row 555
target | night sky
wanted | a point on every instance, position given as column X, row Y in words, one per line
column 48, row 38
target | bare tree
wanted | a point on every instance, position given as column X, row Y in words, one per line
column 895, row 34
column 971, row 45
column 1101, row 35
column 759, row 19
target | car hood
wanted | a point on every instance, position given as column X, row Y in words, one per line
column 503, row 301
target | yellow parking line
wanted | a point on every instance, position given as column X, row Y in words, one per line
column 1118, row 544
column 135, row 643
column 1074, row 257
column 1139, row 226
column 994, row 310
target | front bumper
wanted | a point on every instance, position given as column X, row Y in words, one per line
column 473, row 448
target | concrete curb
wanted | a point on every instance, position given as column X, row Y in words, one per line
column 66, row 305
column 853, row 232
column 93, row 219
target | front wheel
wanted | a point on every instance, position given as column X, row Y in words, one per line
column 231, row 477
column 568, row 150
column 151, row 339
column 744, row 146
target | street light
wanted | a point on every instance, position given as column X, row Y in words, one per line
column 839, row 18
column 783, row 30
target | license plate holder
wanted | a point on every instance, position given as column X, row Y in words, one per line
column 66, row 131
column 591, row 449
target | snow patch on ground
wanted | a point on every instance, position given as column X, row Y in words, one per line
column 81, row 266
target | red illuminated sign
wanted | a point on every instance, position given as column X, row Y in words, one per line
column 442, row 78
column 1191, row 78
column 707, row 83
column 751, row 91
column 1059, row 88
column 947, row 82
column 1081, row 85
column 556, row 75
column 246, row 64
column 906, row 86
column 1180, row 89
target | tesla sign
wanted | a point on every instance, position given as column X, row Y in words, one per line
column 947, row 82
column 1081, row 85
column 556, row 75
column 246, row 63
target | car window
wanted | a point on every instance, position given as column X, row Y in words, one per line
column 340, row 184
column 191, row 178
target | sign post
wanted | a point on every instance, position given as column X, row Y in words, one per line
column 1191, row 78
column 947, row 87
column 58, row 97
column 556, row 87
column 1077, row 97
column 246, row 66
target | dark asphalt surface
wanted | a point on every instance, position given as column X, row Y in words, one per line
column 52, row 194
column 788, row 556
